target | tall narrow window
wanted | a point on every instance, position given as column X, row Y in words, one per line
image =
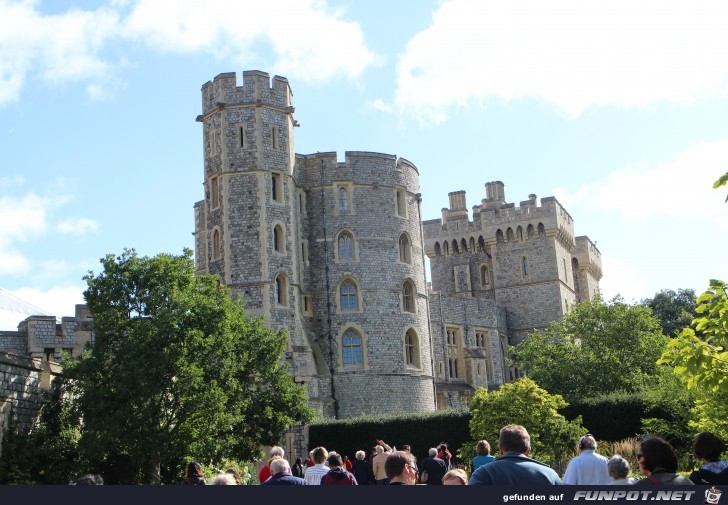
column 351, row 347
column 400, row 203
column 216, row 245
column 281, row 290
column 241, row 133
column 276, row 188
column 411, row 349
column 346, row 247
column 453, row 344
column 524, row 266
column 348, row 296
column 408, row 296
column 214, row 192
column 278, row 240
column 485, row 277
column 405, row 254
column 274, row 138
column 343, row 201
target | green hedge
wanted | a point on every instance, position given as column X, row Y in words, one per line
column 614, row 417
column 421, row 431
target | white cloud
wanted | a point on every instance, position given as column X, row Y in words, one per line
column 57, row 48
column 571, row 53
column 26, row 217
column 77, row 226
column 59, row 301
column 622, row 279
column 309, row 41
column 679, row 189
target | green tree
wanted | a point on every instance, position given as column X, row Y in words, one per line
column 524, row 402
column 598, row 348
column 722, row 181
column 699, row 356
column 177, row 370
column 675, row 310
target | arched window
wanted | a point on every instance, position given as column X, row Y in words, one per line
column 348, row 297
column 509, row 234
column 275, row 190
column 455, row 246
column 216, row 253
column 530, row 231
column 278, row 241
column 400, row 202
column 351, row 347
column 343, row 201
column 405, row 251
column 472, row 244
column 346, row 246
column 519, row 234
column 437, row 249
column 485, row 277
column 499, row 235
column 481, row 244
column 281, row 290
column 524, row 266
column 411, row 349
column 446, row 248
column 541, row 230
column 408, row 296
column 463, row 246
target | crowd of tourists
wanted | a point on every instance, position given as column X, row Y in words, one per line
column 386, row 465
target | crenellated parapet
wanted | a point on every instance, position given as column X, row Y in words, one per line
column 257, row 90
column 588, row 256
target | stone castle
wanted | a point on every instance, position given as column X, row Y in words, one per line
column 334, row 254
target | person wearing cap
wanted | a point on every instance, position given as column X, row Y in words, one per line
column 588, row 468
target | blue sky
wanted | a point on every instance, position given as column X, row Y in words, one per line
column 619, row 109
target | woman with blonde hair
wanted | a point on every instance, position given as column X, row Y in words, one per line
column 455, row 477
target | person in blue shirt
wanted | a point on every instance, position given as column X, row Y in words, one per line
column 483, row 454
column 514, row 466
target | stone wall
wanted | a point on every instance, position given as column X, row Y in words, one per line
column 25, row 384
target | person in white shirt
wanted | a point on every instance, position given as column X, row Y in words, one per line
column 588, row 468
column 319, row 469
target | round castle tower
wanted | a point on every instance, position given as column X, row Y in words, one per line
column 330, row 252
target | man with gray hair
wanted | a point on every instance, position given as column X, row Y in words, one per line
column 588, row 468
column 514, row 467
column 281, row 470
column 432, row 469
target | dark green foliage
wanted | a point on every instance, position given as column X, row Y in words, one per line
column 599, row 348
column 421, row 431
column 675, row 310
column 177, row 371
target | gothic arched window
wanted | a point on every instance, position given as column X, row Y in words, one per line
column 405, row 254
column 348, row 296
column 346, row 246
column 351, row 347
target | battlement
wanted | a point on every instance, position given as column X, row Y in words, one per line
column 257, row 90
column 360, row 167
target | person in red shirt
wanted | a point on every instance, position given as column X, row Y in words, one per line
column 347, row 464
column 264, row 473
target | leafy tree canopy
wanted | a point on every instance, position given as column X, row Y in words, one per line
column 523, row 402
column 700, row 353
column 598, row 348
column 177, row 370
column 675, row 310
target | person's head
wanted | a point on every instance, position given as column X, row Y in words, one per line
column 618, row 467
column 514, row 438
column 224, row 479
column 298, row 461
column 379, row 449
column 656, row 453
column 89, row 480
column 399, row 468
column 272, row 459
column 193, row 468
column 235, row 474
column 455, row 477
column 276, row 451
column 432, row 453
column 483, row 448
column 587, row 443
column 278, row 465
column 335, row 460
column 708, row 446
column 319, row 455
column 443, row 447
column 407, row 448
column 360, row 455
